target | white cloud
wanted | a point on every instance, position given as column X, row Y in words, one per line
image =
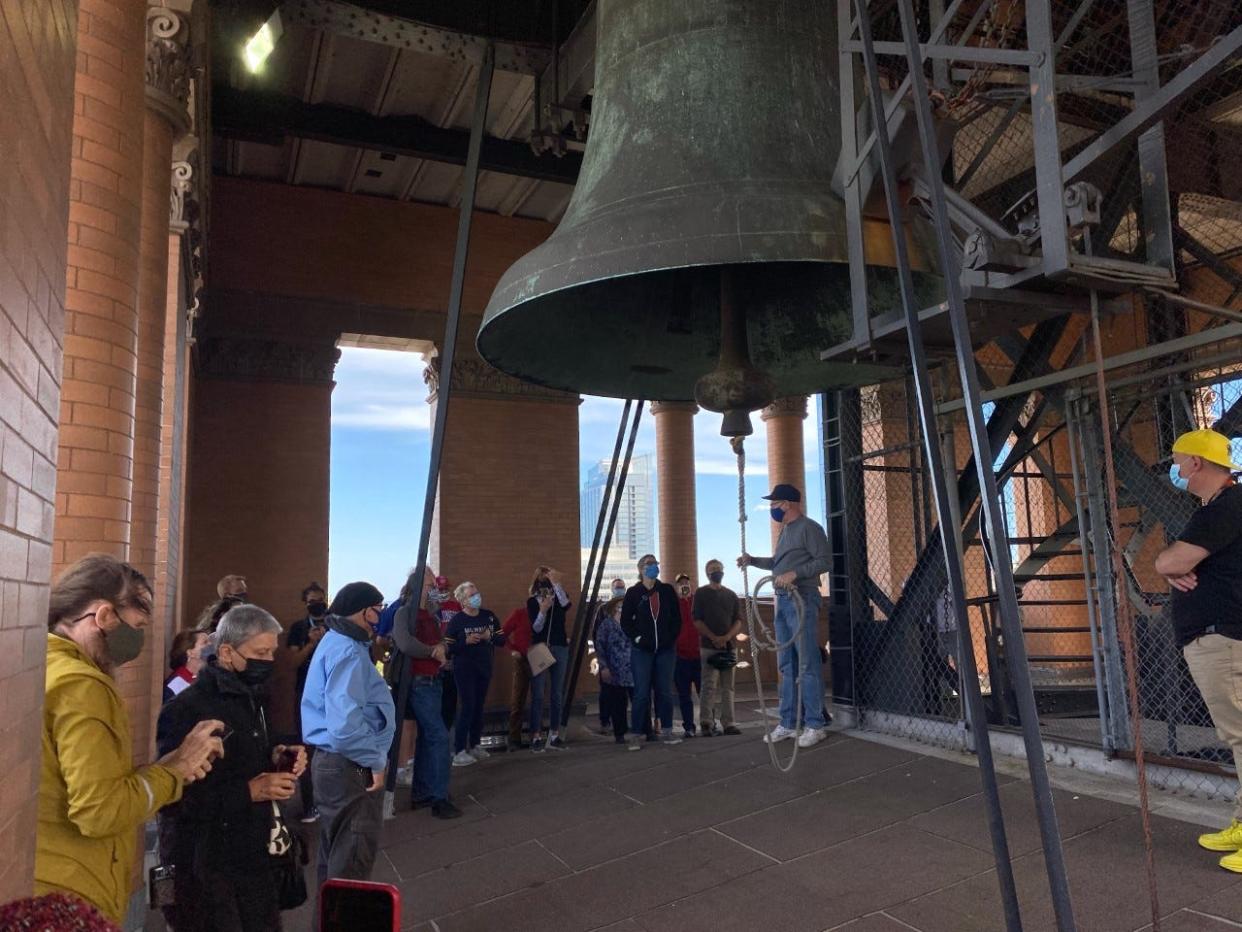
column 380, row 390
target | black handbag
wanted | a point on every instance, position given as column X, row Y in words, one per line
column 290, row 870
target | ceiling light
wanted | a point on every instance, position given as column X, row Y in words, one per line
column 262, row 43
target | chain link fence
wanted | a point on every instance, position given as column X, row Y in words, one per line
column 1049, row 464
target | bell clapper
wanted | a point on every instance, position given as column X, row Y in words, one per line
column 735, row 387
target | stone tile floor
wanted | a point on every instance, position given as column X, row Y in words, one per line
column 707, row 835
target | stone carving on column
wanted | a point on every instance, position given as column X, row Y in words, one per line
column 474, row 378
column 168, row 69
column 793, row 406
column 183, row 221
column 659, row 407
column 266, row 360
column 182, row 185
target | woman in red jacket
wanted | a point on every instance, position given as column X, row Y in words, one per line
column 517, row 638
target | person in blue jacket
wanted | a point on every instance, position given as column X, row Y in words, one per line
column 470, row 637
column 349, row 717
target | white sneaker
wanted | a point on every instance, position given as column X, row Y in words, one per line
column 463, row 759
column 478, row 753
column 780, row 733
column 811, row 737
column 405, row 776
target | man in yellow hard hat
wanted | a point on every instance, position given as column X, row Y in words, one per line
column 1204, row 569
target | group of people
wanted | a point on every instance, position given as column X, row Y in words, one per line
column 228, row 756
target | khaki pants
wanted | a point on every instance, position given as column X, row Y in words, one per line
column 517, row 698
column 716, row 697
column 1215, row 662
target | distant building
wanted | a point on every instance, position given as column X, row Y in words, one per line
column 634, row 533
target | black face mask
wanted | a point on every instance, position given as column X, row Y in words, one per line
column 715, row 577
column 317, row 609
column 256, row 671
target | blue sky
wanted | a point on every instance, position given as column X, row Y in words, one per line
column 381, row 438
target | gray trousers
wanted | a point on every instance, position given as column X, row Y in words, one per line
column 350, row 818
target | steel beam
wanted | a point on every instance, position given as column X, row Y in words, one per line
column 1153, row 163
column 948, row 531
column 1150, row 111
column 1039, row 31
column 404, row 626
column 267, row 118
column 375, row 22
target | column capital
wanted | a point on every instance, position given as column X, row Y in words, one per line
column 474, row 378
column 266, row 360
column 793, row 406
column 168, row 69
column 660, row 407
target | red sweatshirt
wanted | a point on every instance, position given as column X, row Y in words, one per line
column 427, row 630
column 517, row 631
column 688, row 636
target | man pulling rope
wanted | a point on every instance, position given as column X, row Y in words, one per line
column 801, row 556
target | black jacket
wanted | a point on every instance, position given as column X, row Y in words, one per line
column 217, row 827
column 648, row 632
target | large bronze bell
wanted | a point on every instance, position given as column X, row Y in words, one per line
column 705, row 192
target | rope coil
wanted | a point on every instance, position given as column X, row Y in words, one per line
column 760, row 638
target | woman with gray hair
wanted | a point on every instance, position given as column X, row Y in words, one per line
column 226, row 823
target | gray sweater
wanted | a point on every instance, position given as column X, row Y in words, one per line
column 801, row 549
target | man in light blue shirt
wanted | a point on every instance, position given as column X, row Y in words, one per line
column 348, row 716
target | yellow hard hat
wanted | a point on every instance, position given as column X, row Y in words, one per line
column 1206, row 444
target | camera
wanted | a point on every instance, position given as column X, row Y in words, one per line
column 160, row 883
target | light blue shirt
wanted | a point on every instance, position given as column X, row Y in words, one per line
column 347, row 707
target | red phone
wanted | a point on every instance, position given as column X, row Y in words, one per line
column 359, row 906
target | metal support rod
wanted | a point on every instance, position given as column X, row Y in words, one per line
column 604, row 502
column 949, row 532
column 1125, row 616
column 403, row 629
column 1097, row 658
column 571, row 683
column 1214, row 309
column 1064, row 376
column 1050, row 836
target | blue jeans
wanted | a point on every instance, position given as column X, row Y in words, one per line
column 431, row 747
column 472, row 682
column 552, row 679
column 653, row 669
column 687, row 673
column 799, row 664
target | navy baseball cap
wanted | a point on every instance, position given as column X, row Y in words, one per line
column 784, row 493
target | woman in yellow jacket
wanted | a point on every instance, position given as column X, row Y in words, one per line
column 91, row 798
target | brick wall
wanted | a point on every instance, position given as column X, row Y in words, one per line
column 168, row 539
column 272, row 238
column 257, row 491
column 506, row 504
column 37, row 41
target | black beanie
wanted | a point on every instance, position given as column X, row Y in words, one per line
column 353, row 598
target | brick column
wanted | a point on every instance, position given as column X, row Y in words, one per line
column 508, row 496
column 786, row 454
column 95, row 466
column 94, row 478
column 679, row 546
column 36, row 130
column 166, row 120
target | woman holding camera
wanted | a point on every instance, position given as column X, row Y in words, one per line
column 547, row 608
column 228, row 826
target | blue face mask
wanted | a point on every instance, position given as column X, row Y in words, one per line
column 652, row 571
column 1179, row 481
column 778, row 514
column 475, row 601
column 618, row 593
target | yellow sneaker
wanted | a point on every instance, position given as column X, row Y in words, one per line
column 1228, row 839
column 1232, row 862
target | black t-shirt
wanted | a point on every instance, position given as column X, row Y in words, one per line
column 1217, row 599
column 717, row 609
